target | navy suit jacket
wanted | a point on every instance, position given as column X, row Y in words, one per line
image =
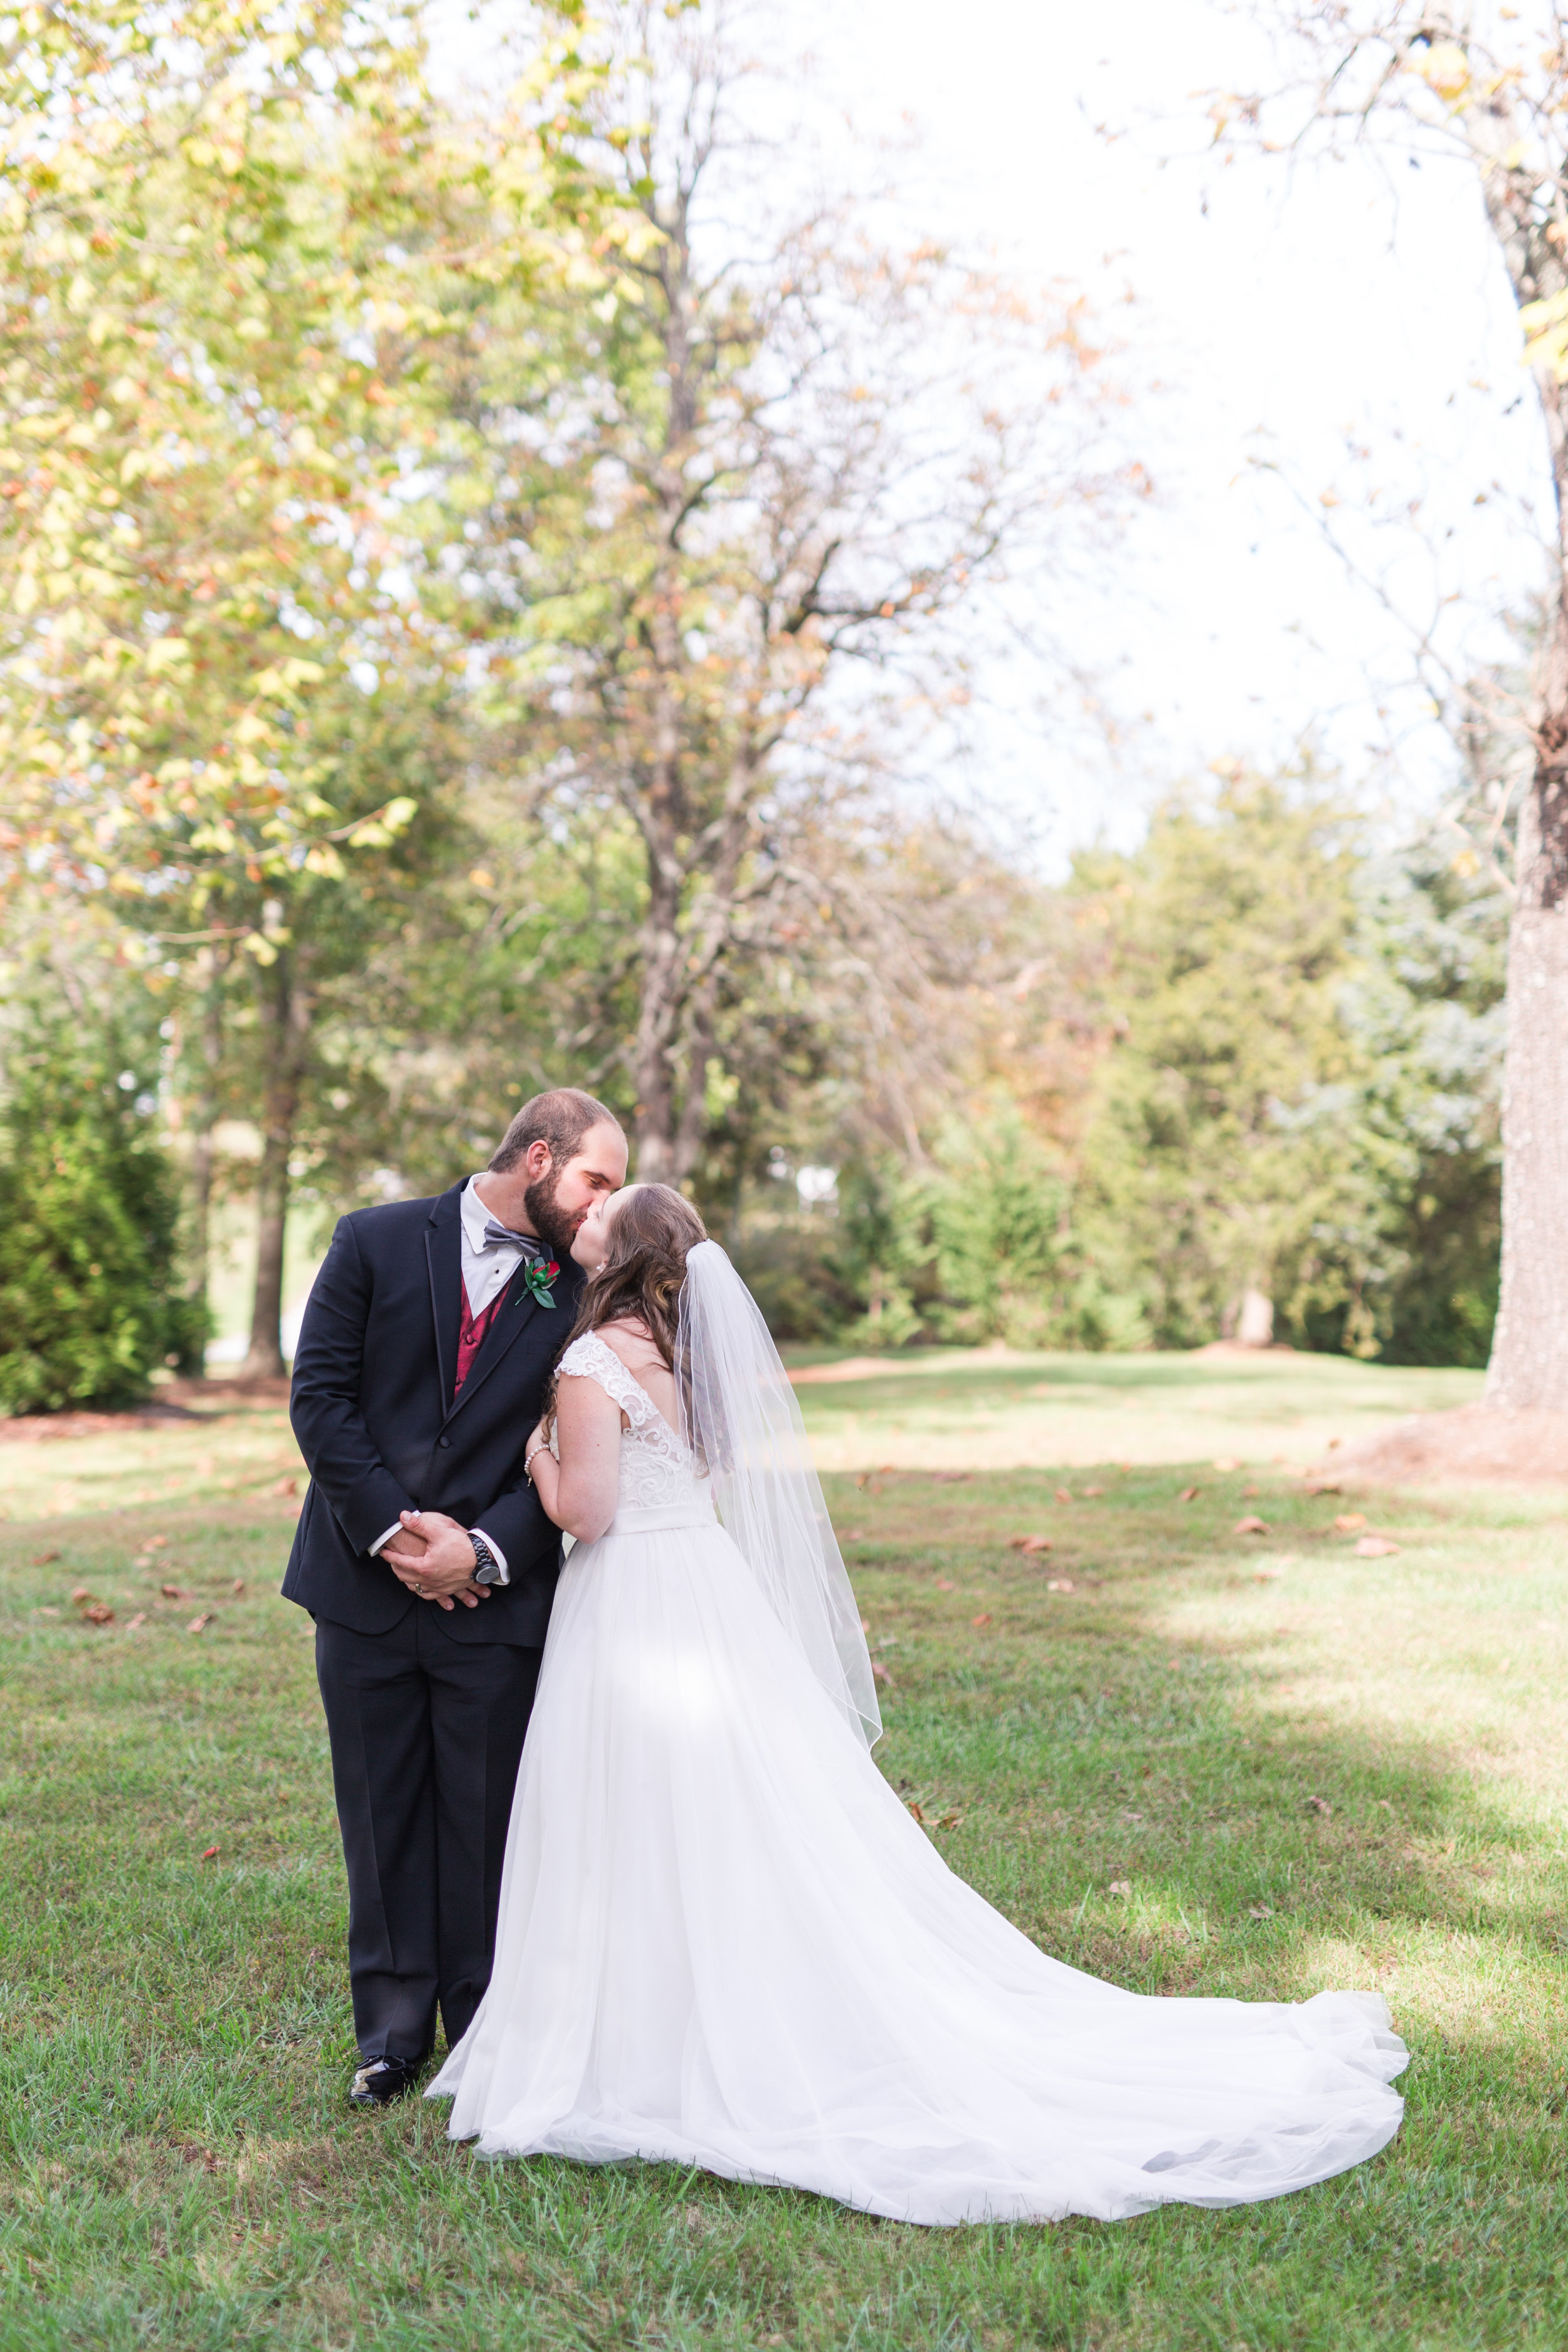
column 373, row 1410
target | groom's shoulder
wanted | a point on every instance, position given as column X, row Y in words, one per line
column 390, row 1221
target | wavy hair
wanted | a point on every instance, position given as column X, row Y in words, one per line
column 653, row 1227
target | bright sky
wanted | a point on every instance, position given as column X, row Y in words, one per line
column 1358, row 303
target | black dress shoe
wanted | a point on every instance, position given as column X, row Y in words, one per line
column 381, row 2079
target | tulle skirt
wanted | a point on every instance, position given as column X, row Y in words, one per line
column 724, row 1941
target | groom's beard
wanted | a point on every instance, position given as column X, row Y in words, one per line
column 550, row 1221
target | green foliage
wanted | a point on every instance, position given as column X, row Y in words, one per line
column 90, row 1297
column 975, row 1245
column 1302, row 1099
column 1300, row 1049
column 1425, row 1014
column 1216, row 1158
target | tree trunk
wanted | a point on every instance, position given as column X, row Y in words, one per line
column 204, row 1123
column 1530, row 1347
column 652, row 1074
column 284, row 1026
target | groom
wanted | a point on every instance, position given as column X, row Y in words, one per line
column 425, row 1557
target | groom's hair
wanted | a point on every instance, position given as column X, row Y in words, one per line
column 559, row 1119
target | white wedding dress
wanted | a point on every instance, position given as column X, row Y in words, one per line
column 724, row 1941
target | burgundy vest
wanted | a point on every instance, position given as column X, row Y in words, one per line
column 471, row 1333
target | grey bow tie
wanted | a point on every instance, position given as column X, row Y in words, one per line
column 495, row 1233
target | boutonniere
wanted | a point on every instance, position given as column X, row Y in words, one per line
column 538, row 1277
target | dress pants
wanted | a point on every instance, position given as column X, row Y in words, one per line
column 426, row 1736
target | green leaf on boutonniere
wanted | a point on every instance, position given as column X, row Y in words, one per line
column 539, row 1277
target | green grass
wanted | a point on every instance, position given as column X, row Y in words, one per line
column 178, row 2167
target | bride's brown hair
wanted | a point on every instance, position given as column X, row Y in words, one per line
column 652, row 1229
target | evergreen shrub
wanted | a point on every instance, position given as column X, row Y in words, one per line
column 91, row 1303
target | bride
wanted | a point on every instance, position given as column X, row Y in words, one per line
column 722, row 1939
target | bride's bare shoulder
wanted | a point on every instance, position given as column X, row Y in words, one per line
column 630, row 1339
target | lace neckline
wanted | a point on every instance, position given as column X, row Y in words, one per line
column 595, row 1356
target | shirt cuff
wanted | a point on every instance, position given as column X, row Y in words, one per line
column 385, row 1536
column 497, row 1554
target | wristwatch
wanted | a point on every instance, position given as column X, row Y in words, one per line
column 487, row 1568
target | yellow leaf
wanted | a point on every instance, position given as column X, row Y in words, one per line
column 1446, row 70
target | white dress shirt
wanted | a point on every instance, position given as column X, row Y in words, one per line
column 487, row 1267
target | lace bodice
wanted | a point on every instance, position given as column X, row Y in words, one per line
column 657, row 1468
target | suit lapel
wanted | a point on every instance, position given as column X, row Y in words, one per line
column 444, row 1253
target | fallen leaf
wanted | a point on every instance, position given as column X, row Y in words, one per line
column 1330, row 1445
column 913, row 1808
column 1064, row 1494
column 173, row 1592
column 1265, row 1575
column 1260, row 1910
column 880, row 1672
column 853, row 1534
column 239, row 1584
column 1188, row 1494
column 48, row 1612
column 1061, row 1584
column 285, row 1486
column 158, row 1543
column 210, row 1853
column 984, row 1617
column 1451, row 1844
column 1348, row 1522
column 42, row 1559
column 1120, row 1886
column 950, row 1821
column 1028, row 1543
column 1374, row 1548
column 1247, row 1493
column 1250, row 1527
column 1319, row 1805
column 200, row 1624
column 1227, row 1462
column 945, row 1584
column 1090, row 1493
column 79, row 1593
column 952, row 1477
column 133, row 1622
column 1324, row 1486
column 101, row 1613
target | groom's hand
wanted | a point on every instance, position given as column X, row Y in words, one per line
column 434, row 1556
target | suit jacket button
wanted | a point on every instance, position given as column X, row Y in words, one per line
column 443, row 1441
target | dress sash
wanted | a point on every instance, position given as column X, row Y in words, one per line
column 638, row 1519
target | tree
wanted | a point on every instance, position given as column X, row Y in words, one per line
column 1491, row 88
column 1217, row 1162
column 91, row 1301
column 750, row 482
column 240, row 254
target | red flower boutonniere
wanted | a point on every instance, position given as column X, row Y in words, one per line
column 539, row 1277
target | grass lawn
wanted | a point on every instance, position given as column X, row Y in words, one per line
column 1307, row 1768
